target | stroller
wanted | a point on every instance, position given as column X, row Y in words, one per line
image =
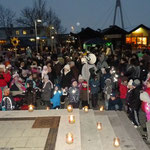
column 7, row 102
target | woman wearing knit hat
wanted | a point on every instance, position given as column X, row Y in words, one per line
column 65, row 82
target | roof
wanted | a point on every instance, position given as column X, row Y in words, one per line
column 87, row 33
column 140, row 26
column 114, row 30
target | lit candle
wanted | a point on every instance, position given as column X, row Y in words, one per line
column 85, row 108
column 71, row 119
column 30, row 108
column 99, row 126
column 47, row 108
column 69, row 108
column 101, row 108
column 116, row 142
column 69, row 138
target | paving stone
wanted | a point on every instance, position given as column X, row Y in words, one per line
column 90, row 139
column 36, row 142
column 17, row 142
column 107, row 133
column 14, row 132
column 132, row 132
column 3, row 141
column 31, row 132
column 44, row 132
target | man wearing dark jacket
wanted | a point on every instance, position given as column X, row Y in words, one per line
column 135, row 103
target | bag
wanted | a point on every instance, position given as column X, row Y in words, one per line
column 145, row 107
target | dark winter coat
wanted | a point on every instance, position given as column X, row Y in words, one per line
column 30, row 96
column 66, row 80
column 46, row 92
column 73, row 94
column 134, row 98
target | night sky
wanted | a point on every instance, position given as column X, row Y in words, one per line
column 93, row 13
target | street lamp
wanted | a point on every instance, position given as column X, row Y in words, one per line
column 36, row 38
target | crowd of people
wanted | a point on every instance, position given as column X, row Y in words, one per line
column 121, row 80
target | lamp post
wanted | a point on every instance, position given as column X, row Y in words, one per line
column 36, row 38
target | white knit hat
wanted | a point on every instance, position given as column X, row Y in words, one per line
column 2, row 66
column 67, row 67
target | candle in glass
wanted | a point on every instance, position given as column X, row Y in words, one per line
column 69, row 108
column 71, row 119
column 30, row 108
column 99, row 126
column 116, row 142
column 69, row 138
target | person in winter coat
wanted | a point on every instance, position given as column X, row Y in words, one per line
column 65, row 82
column 46, row 90
column 5, row 77
column 135, row 103
column 30, row 94
column 74, row 94
column 145, row 98
column 102, row 63
column 74, row 70
column 84, row 94
column 114, row 102
column 107, row 91
column 94, row 85
column 55, row 100
column 123, row 90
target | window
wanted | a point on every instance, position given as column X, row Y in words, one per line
column 17, row 32
column 142, row 40
column 24, row 32
column 134, row 40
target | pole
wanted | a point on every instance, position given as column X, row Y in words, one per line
column 36, row 42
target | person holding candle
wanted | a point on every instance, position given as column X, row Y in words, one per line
column 74, row 94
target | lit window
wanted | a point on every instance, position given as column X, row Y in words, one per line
column 128, row 40
column 142, row 40
column 24, row 32
column 17, row 32
column 134, row 40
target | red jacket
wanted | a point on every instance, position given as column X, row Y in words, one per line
column 5, row 79
column 123, row 91
column 0, row 95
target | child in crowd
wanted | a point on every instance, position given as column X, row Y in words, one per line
column 107, row 91
column 30, row 94
column 80, row 80
column 94, row 85
column 74, row 94
column 114, row 102
column 123, row 90
column 55, row 100
column 84, row 94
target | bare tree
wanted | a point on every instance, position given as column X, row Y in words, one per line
column 39, row 11
column 7, row 19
